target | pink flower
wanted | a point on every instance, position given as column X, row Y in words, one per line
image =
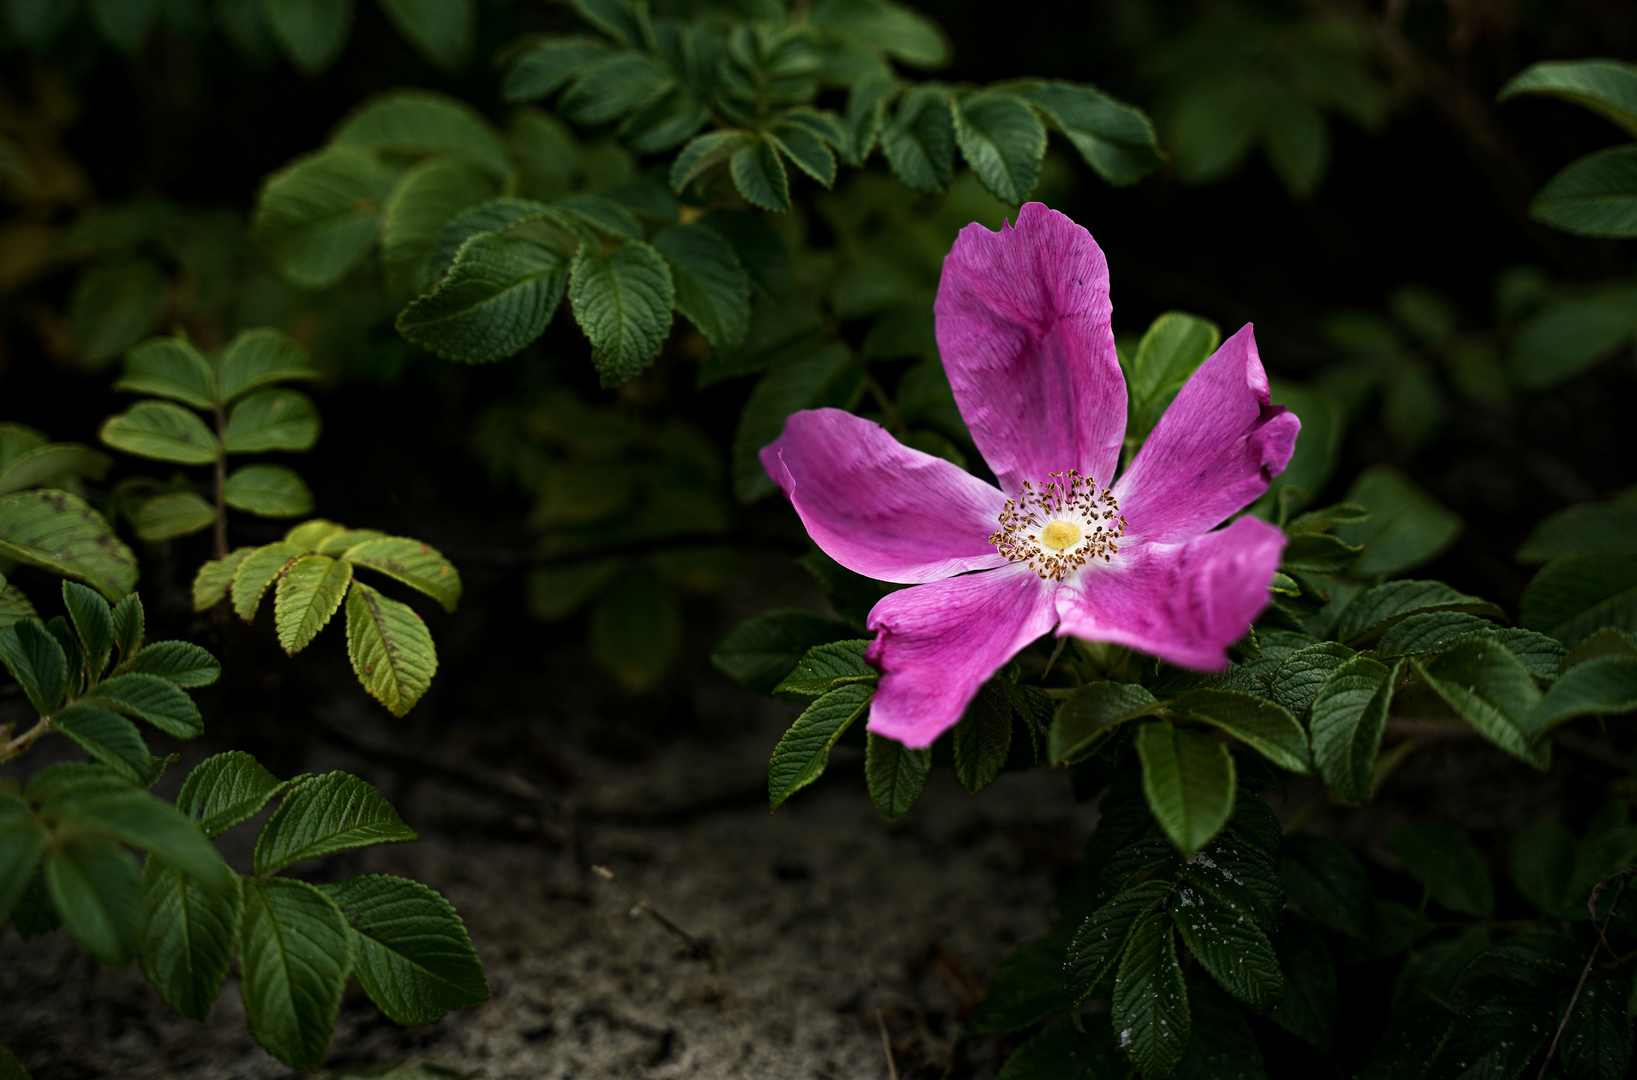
column 1023, row 326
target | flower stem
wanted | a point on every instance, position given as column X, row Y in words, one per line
column 25, row 740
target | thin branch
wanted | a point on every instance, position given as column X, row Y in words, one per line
column 25, row 740
column 219, row 543
column 699, row 948
column 1585, row 972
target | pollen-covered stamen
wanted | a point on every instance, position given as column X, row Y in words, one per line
column 1060, row 525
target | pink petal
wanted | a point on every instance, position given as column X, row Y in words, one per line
column 938, row 643
column 1212, row 453
column 1185, row 603
column 1023, row 326
column 879, row 508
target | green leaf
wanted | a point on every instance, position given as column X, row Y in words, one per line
column 410, row 948
column 758, row 247
column 172, row 514
column 1101, row 939
column 803, row 146
column 1430, row 633
column 549, row 65
column 135, row 817
column 294, row 955
column 390, row 648
column 828, row 665
column 758, row 173
column 93, row 884
column 1594, row 196
column 1407, row 527
column 636, row 629
column 613, row 87
column 1597, row 1036
column 254, row 572
column 1568, row 599
column 214, row 578
column 310, row 32
column 93, row 623
column 1607, row 684
column 1221, row 1043
column 1115, row 139
column 804, row 750
column 866, row 111
column 1027, row 988
column 1329, row 884
column 1264, row 726
column 187, row 939
column 1572, row 334
column 498, row 296
column 1608, row 87
column 623, row 303
column 37, row 662
column 983, row 738
column 422, row 203
column 1172, row 348
column 919, row 141
column 319, row 215
column 268, row 491
column 1349, row 718
column 14, row 606
column 1585, row 529
column 323, row 815
column 116, row 305
column 272, row 420
column 417, row 123
column 309, row 593
column 806, row 379
column 10, row 1067
column 1297, row 680
column 1490, row 689
column 1377, row 609
column 49, row 465
column 1296, row 140
column 417, row 565
column 895, row 774
column 1004, row 141
column 162, row 431
column 1308, row 1008
column 60, row 533
column 226, row 789
column 1063, row 1053
column 1188, row 778
column 440, row 30
column 896, row 29
column 1227, row 942
column 764, row 649
column 1444, row 860
column 258, row 358
column 152, row 698
column 1541, row 863
column 108, row 737
column 704, row 154
column 1150, row 999
column 22, row 842
column 1090, row 714
column 712, row 289
column 170, row 368
column 1318, row 553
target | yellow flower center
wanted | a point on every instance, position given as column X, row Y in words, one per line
column 1060, row 534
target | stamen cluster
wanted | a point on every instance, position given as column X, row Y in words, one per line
column 1067, row 497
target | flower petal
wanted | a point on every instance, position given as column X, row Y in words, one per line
column 1212, row 453
column 879, row 508
column 1185, row 603
column 1023, row 326
column 938, row 643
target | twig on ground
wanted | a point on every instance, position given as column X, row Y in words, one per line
column 886, row 1043
column 698, row 947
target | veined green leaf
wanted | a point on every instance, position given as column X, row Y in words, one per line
column 226, row 789
column 611, row 87
column 895, row 774
column 765, row 649
column 268, row 491
column 1569, row 599
column 663, row 122
column 294, row 955
column 549, row 65
column 810, row 378
column 93, row 623
column 1406, row 528
column 1604, row 86
column 919, row 141
column 1377, row 609
column 1027, row 988
column 1115, row 139
column 309, row 593
column 134, row 817
column 255, row 572
column 319, row 215
column 802, row 145
column 188, row 933
column 623, row 303
column 312, row 535
column 827, row 665
column 1349, row 718
column 215, row 577
column 1004, row 141
column 422, row 203
column 108, row 737
column 1227, row 942
column 49, row 465
column 1299, row 676
column 182, row 662
column 389, row 646
column 128, row 623
column 22, row 842
column 170, row 368
column 418, row 123
column 1091, row 714
column 1151, row 999
column 417, row 565
column 712, row 289
column 37, row 661
column 498, row 296
column 1605, row 684
column 1188, row 778
column 1490, row 689
column 278, row 419
column 311, row 32
column 59, row 532
column 804, row 750
column 1101, row 939
column 171, row 514
column 758, row 173
column 258, row 358
column 152, row 698
column 1329, row 884
column 705, row 153
column 339, row 543
column 324, row 815
column 1171, row 350
column 1444, row 859
column 1594, row 196
column 440, row 30
column 412, row 954
column 115, row 305
column 983, row 738
column 93, row 885
column 1265, row 726
column 160, row 430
